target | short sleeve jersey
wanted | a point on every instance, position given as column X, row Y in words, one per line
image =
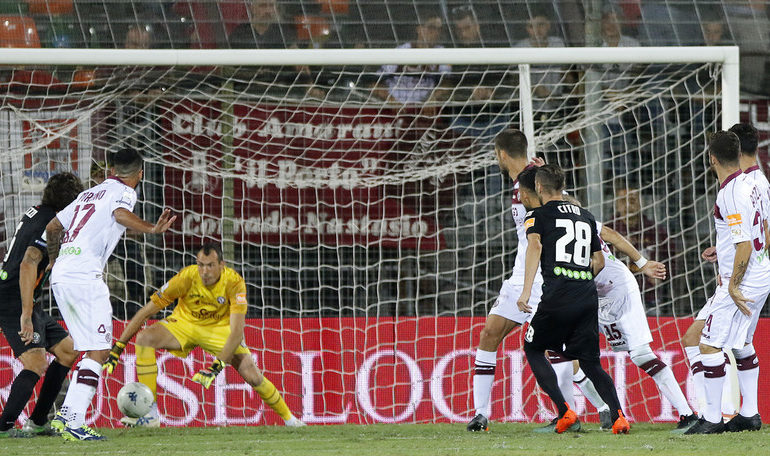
column 568, row 237
column 30, row 232
column 738, row 218
column 200, row 304
column 615, row 276
column 91, row 231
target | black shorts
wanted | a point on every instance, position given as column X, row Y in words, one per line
column 571, row 330
column 48, row 332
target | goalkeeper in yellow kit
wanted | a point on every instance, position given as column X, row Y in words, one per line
column 211, row 314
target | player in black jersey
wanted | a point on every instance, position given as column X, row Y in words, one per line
column 28, row 329
column 563, row 241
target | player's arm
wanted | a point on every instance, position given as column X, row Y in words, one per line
column 27, row 282
column 237, row 324
column 531, row 262
column 597, row 257
column 133, row 222
column 53, row 232
column 740, row 266
column 206, row 376
column 651, row 269
column 597, row 262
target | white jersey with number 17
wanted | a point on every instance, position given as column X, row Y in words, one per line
column 91, row 231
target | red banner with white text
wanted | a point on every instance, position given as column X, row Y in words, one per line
column 300, row 174
column 380, row 370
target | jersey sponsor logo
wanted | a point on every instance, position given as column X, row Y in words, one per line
column 221, row 299
column 736, row 231
column 569, row 273
column 70, row 251
column 734, row 219
column 240, row 298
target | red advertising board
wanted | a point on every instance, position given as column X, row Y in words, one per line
column 304, row 174
column 371, row 370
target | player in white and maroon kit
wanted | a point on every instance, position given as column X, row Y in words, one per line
column 623, row 321
column 81, row 239
column 744, row 271
column 747, row 366
column 511, row 151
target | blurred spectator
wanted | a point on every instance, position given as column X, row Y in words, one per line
column 750, row 28
column 666, row 23
column 482, row 91
column 546, row 80
column 612, row 35
column 649, row 237
column 466, row 31
column 615, row 79
column 415, row 83
column 264, row 29
column 138, row 36
column 714, row 32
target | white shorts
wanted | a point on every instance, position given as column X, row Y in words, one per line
column 506, row 307
column 704, row 312
column 622, row 320
column 87, row 313
column 725, row 326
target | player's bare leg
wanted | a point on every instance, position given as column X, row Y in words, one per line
column 495, row 330
column 54, row 376
column 245, row 366
column 34, row 363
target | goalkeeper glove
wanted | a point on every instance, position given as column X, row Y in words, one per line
column 206, row 376
column 114, row 357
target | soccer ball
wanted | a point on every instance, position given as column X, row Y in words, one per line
column 135, row 400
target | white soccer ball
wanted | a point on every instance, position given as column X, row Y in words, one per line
column 135, row 400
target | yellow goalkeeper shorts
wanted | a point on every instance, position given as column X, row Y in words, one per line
column 211, row 338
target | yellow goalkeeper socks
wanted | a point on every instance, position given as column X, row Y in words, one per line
column 147, row 368
column 268, row 392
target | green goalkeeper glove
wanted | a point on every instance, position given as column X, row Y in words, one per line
column 206, row 376
column 114, row 357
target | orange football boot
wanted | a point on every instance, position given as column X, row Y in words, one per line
column 621, row 425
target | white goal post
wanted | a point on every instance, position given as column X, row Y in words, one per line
column 374, row 233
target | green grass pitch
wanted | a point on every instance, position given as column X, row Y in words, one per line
column 399, row 439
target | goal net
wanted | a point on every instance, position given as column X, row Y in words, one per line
column 358, row 194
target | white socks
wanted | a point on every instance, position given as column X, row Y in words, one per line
column 669, row 387
column 696, row 368
column 589, row 391
column 482, row 380
column 713, row 381
column 80, row 392
column 748, row 378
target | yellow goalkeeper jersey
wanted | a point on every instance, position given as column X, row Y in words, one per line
column 200, row 304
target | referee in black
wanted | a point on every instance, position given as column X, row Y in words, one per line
column 29, row 330
column 563, row 241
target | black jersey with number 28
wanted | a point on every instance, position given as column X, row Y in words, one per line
column 568, row 237
column 30, row 232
